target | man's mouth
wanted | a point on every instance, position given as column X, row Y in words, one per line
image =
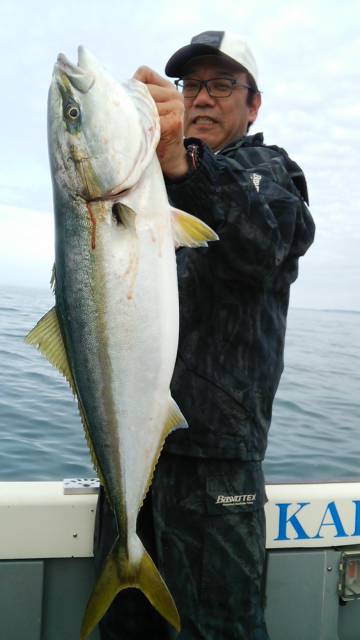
column 203, row 120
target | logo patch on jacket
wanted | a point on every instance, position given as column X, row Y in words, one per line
column 231, row 501
column 255, row 179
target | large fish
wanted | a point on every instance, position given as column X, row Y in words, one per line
column 114, row 330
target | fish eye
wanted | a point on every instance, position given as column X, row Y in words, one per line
column 73, row 113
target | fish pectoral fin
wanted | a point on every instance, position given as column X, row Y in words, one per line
column 123, row 215
column 46, row 336
column 119, row 573
column 189, row 231
column 175, row 419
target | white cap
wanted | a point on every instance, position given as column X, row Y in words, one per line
column 222, row 43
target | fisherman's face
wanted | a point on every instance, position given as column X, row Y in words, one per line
column 218, row 121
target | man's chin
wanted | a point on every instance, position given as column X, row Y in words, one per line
column 203, row 134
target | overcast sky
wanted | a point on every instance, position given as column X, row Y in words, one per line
column 308, row 55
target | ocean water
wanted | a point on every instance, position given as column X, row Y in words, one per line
column 315, row 432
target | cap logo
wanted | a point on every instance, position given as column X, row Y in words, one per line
column 212, row 38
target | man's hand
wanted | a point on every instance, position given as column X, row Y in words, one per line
column 170, row 104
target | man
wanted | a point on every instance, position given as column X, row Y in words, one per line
column 208, row 493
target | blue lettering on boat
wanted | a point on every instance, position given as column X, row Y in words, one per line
column 336, row 522
column 284, row 520
column 357, row 518
column 291, row 527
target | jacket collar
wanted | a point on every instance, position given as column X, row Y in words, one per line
column 255, row 140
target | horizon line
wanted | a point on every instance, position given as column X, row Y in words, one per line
column 299, row 308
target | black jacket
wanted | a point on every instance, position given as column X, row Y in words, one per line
column 234, row 295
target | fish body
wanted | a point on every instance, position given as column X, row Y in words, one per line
column 114, row 329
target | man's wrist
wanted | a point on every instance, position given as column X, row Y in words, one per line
column 186, row 163
column 177, row 167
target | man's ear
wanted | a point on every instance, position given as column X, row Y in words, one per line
column 254, row 108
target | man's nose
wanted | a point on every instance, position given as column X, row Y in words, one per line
column 203, row 98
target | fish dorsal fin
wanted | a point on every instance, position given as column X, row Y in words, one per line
column 189, row 231
column 46, row 336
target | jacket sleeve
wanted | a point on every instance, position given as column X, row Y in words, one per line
column 262, row 221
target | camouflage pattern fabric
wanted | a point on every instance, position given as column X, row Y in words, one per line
column 209, row 545
column 234, row 295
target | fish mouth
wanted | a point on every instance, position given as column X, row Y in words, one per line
column 72, row 80
column 80, row 76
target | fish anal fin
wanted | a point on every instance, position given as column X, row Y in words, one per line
column 189, row 231
column 120, row 572
column 46, row 336
column 175, row 420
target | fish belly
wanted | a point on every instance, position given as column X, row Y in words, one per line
column 141, row 317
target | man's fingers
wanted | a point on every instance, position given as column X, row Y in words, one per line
column 171, row 127
column 170, row 106
column 149, row 76
column 163, row 94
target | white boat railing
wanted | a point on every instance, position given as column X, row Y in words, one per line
column 56, row 519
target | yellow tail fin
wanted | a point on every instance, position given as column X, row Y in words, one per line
column 119, row 573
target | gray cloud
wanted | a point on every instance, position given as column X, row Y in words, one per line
column 308, row 58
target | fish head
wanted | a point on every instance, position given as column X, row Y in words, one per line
column 102, row 134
